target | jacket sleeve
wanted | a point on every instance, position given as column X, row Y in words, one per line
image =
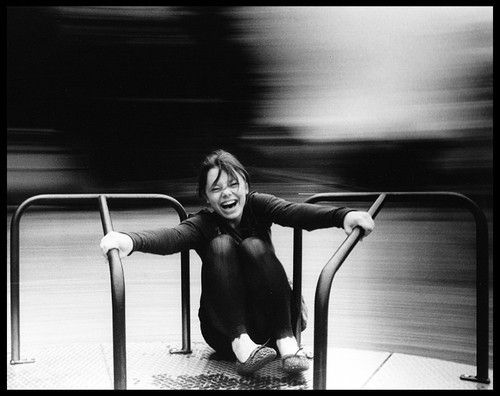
column 186, row 235
column 300, row 215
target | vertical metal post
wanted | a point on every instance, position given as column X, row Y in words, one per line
column 482, row 299
column 297, row 282
column 185, row 307
column 118, row 303
column 482, row 289
column 14, row 287
column 185, row 291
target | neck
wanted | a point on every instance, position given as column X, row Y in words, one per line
column 234, row 223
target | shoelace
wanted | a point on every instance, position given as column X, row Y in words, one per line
column 298, row 350
column 308, row 355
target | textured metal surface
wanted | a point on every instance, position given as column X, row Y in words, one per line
column 414, row 372
column 74, row 366
column 151, row 366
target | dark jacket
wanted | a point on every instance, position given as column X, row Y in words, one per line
column 260, row 212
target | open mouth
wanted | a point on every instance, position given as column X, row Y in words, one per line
column 229, row 204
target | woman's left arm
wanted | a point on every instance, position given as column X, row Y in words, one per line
column 309, row 216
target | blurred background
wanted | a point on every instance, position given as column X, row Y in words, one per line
column 312, row 99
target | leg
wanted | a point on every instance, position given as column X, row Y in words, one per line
column 268, row 287
column 272, row 295
column 223, row 298
column 223, row 302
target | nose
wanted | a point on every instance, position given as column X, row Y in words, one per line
column 226, row 191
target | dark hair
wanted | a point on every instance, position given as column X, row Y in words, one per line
column 226, row 162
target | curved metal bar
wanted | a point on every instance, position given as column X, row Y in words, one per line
column 323, row 295
column 482, row 275
column 48, row 199
column 55, row 199
column 118, row 303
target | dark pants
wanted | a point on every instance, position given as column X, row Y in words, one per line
column 244, row 290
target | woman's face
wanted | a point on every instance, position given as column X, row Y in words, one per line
column 227, row 196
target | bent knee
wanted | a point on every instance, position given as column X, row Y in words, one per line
column 255, row 246
column 222, row 244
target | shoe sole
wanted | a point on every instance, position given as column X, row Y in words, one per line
column 295, row 369
column 261, row 359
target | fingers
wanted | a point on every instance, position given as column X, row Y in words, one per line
column 120, row 254
column 108, row 242
column 104, row 248
column 116, row 240
column 348, row 229
column 105, row 244
column 359, row 219
column 366, row 223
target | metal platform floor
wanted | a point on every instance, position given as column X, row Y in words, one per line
column 151, row 366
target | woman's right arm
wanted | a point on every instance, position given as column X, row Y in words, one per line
column 163, row 241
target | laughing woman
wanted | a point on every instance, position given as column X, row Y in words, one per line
column 245, row 306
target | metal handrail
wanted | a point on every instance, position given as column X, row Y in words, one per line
column 325, row 280
column 118, row 303
column 116, row 274
column 322, row 290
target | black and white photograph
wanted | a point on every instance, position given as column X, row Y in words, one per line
column 249, row 197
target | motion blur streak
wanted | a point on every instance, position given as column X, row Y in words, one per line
column 382, row 97
column 359, row 73
column 312, row 99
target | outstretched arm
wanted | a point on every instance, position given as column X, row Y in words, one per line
column 162, row 241
column 309, row 216
column 301, row 215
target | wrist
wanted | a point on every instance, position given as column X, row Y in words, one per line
column 130, row 244
column 347, row 218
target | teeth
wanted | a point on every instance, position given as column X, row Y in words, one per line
column 228, row 203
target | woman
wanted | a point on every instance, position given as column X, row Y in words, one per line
column 245, row 305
